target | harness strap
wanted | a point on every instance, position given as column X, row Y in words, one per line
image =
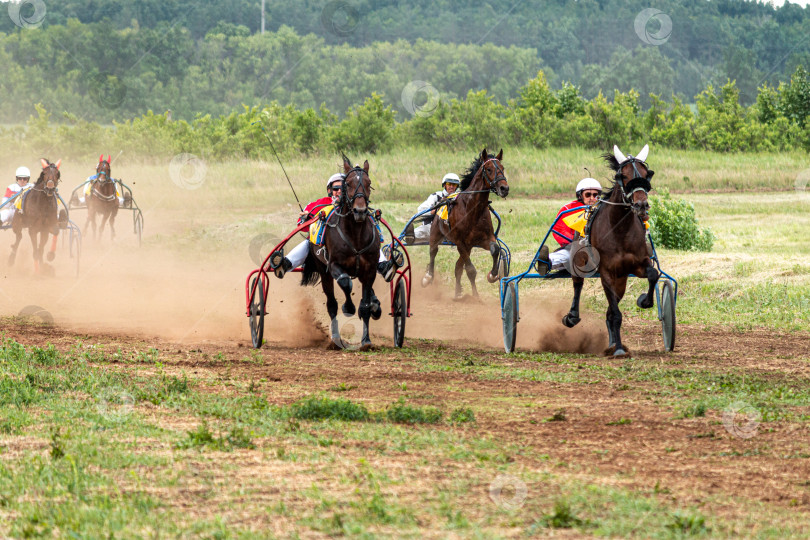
column 349, row 242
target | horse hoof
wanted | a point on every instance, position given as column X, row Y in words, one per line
column 644, row 301
column 348, row 309
column 570, row 321
column 376, row 311
column 50, row 256
column 366, row 347
column 621, row 353
column 427, row 280
column 491, row 278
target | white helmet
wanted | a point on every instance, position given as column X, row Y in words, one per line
column 337, row 177
column 588, row 183
column 450, row 178
column 23, row 172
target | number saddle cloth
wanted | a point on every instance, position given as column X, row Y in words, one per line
column 444, row 211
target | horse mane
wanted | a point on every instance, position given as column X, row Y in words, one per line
column 469, row 174
column 612, row 164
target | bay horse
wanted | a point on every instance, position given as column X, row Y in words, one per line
column 102, row 198
column 469, row 223
column 619, row 236
column 39, row 214
column 351, row 249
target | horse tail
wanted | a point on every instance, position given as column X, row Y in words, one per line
column 310, row 274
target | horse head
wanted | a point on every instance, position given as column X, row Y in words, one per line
column 633, row 177
column 103, row 169
column 489, row 169
column 356, row 189
column 49, row 177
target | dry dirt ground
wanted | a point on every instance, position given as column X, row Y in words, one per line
column 695, row 461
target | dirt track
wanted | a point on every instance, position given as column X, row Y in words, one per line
column 693, row 460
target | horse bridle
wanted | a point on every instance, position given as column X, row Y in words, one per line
column 49, row 191
column 638, row 182
column 106, row 180
column 360, row 191
column 491, row 183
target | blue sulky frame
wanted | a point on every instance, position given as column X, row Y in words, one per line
column 510, row 297
column 505, row 253
column 74, row 233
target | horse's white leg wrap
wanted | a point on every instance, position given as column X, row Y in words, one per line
column 299, row 254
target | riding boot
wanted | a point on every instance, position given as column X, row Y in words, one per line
column 387, row 270
column 283, row 268
column 543, row 263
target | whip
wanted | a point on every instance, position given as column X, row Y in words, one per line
column 279, row 162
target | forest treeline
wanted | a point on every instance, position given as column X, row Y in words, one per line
column 540, row 117
column 107, row 60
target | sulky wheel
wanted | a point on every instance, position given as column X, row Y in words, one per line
column 257, row 308
column 667, row 305
column 139, row 227
column 510, row 317
column 400, row 308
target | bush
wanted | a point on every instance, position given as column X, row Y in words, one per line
column 324, row 408
column 673, row 225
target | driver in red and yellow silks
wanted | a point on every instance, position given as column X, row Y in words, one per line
column 588, row 192
column 296, row 257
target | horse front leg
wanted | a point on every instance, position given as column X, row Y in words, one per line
column 112, row 226
column 104, row 219
column 614, row 291
column 328, row 286
column 571, row 319
column 647, row 300
column 52, row 251
column 365, row 313
column 458, row 273
column 344, row 281
column 37, row 247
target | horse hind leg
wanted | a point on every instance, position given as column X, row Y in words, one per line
column 328, row 286
column 13, row 255
column 365, row 313
column 495, row 251
column 458, row 273
column 428, row 278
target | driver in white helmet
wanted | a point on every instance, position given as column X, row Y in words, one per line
column 588, row 192
column 450, row 184
column 296, row 257
column 21, row 183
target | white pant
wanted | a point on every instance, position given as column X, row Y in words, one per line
column 422, row 232
column 559, row 259
column 7, row 213
column 299, row 254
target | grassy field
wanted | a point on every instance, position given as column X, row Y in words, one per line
column 114, row 435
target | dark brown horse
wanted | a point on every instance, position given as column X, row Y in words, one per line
column 351, row 249
column 102, row 198
column 469, row 223
column 39, row 214
column 619, row 237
